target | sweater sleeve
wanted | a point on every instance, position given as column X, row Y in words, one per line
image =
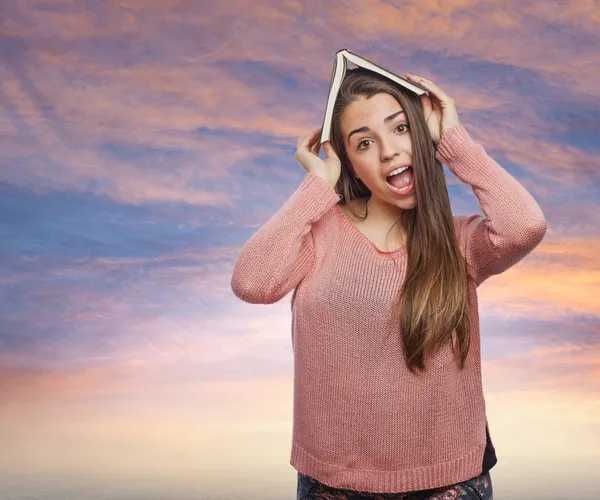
column 513, row 223
column 278, row 256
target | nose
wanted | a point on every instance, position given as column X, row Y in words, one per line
column 389, row 148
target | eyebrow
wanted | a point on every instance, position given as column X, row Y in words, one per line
column 366, row 129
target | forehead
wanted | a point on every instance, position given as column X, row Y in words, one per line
column 369, row 111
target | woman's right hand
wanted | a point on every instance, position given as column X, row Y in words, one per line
column 307, row 155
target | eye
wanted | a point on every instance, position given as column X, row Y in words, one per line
column 405, row 125
column 361, row 142
column 402, row 125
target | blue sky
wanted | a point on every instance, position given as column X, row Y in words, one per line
column 142, row 143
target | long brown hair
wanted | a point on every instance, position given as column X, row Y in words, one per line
column 433, row 299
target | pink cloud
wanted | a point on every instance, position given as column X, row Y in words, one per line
column 560, row 278
column 127, row 103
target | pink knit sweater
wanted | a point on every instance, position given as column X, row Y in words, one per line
column 362, row 420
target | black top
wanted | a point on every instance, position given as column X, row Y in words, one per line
column 489, row 455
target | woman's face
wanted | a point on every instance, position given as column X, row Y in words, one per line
column 377, row 140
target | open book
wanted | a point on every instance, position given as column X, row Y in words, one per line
column 339, row 71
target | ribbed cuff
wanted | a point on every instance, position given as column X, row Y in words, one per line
column 319, row 188
column 418, row 478
column 452, row 144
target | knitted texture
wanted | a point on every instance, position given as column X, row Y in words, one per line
column 362, row 420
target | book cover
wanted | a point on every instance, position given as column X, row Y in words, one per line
column 340, row 66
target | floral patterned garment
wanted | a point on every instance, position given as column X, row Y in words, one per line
column 477, row 488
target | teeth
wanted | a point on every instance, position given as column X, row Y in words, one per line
column 397, row 171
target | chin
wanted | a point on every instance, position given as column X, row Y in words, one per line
column 407, row 203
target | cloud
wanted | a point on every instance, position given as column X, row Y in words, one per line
column 79, row 313
column 564, row 369
column 153, row 98
column 513, row 36
column 141, row 143
column 560, row 278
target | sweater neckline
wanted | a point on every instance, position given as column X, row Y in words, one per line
column 363, row 237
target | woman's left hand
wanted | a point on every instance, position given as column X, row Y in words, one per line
column 438, row 108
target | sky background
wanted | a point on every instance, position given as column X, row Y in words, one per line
column 143, row 142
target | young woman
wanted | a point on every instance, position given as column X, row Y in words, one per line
column 388, row 399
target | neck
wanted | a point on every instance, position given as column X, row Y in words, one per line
column 381, row 213
column 381, row 217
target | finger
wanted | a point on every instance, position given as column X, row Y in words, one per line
column 314, row 143
column 307, row 140
column 318, row 133
column 430, row 107
column 328, row 149
column 315, row 146
column 302, row 142
column 427, row 103
column 317, row 137
column 438, row 92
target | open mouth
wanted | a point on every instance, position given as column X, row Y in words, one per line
column 402, row 182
